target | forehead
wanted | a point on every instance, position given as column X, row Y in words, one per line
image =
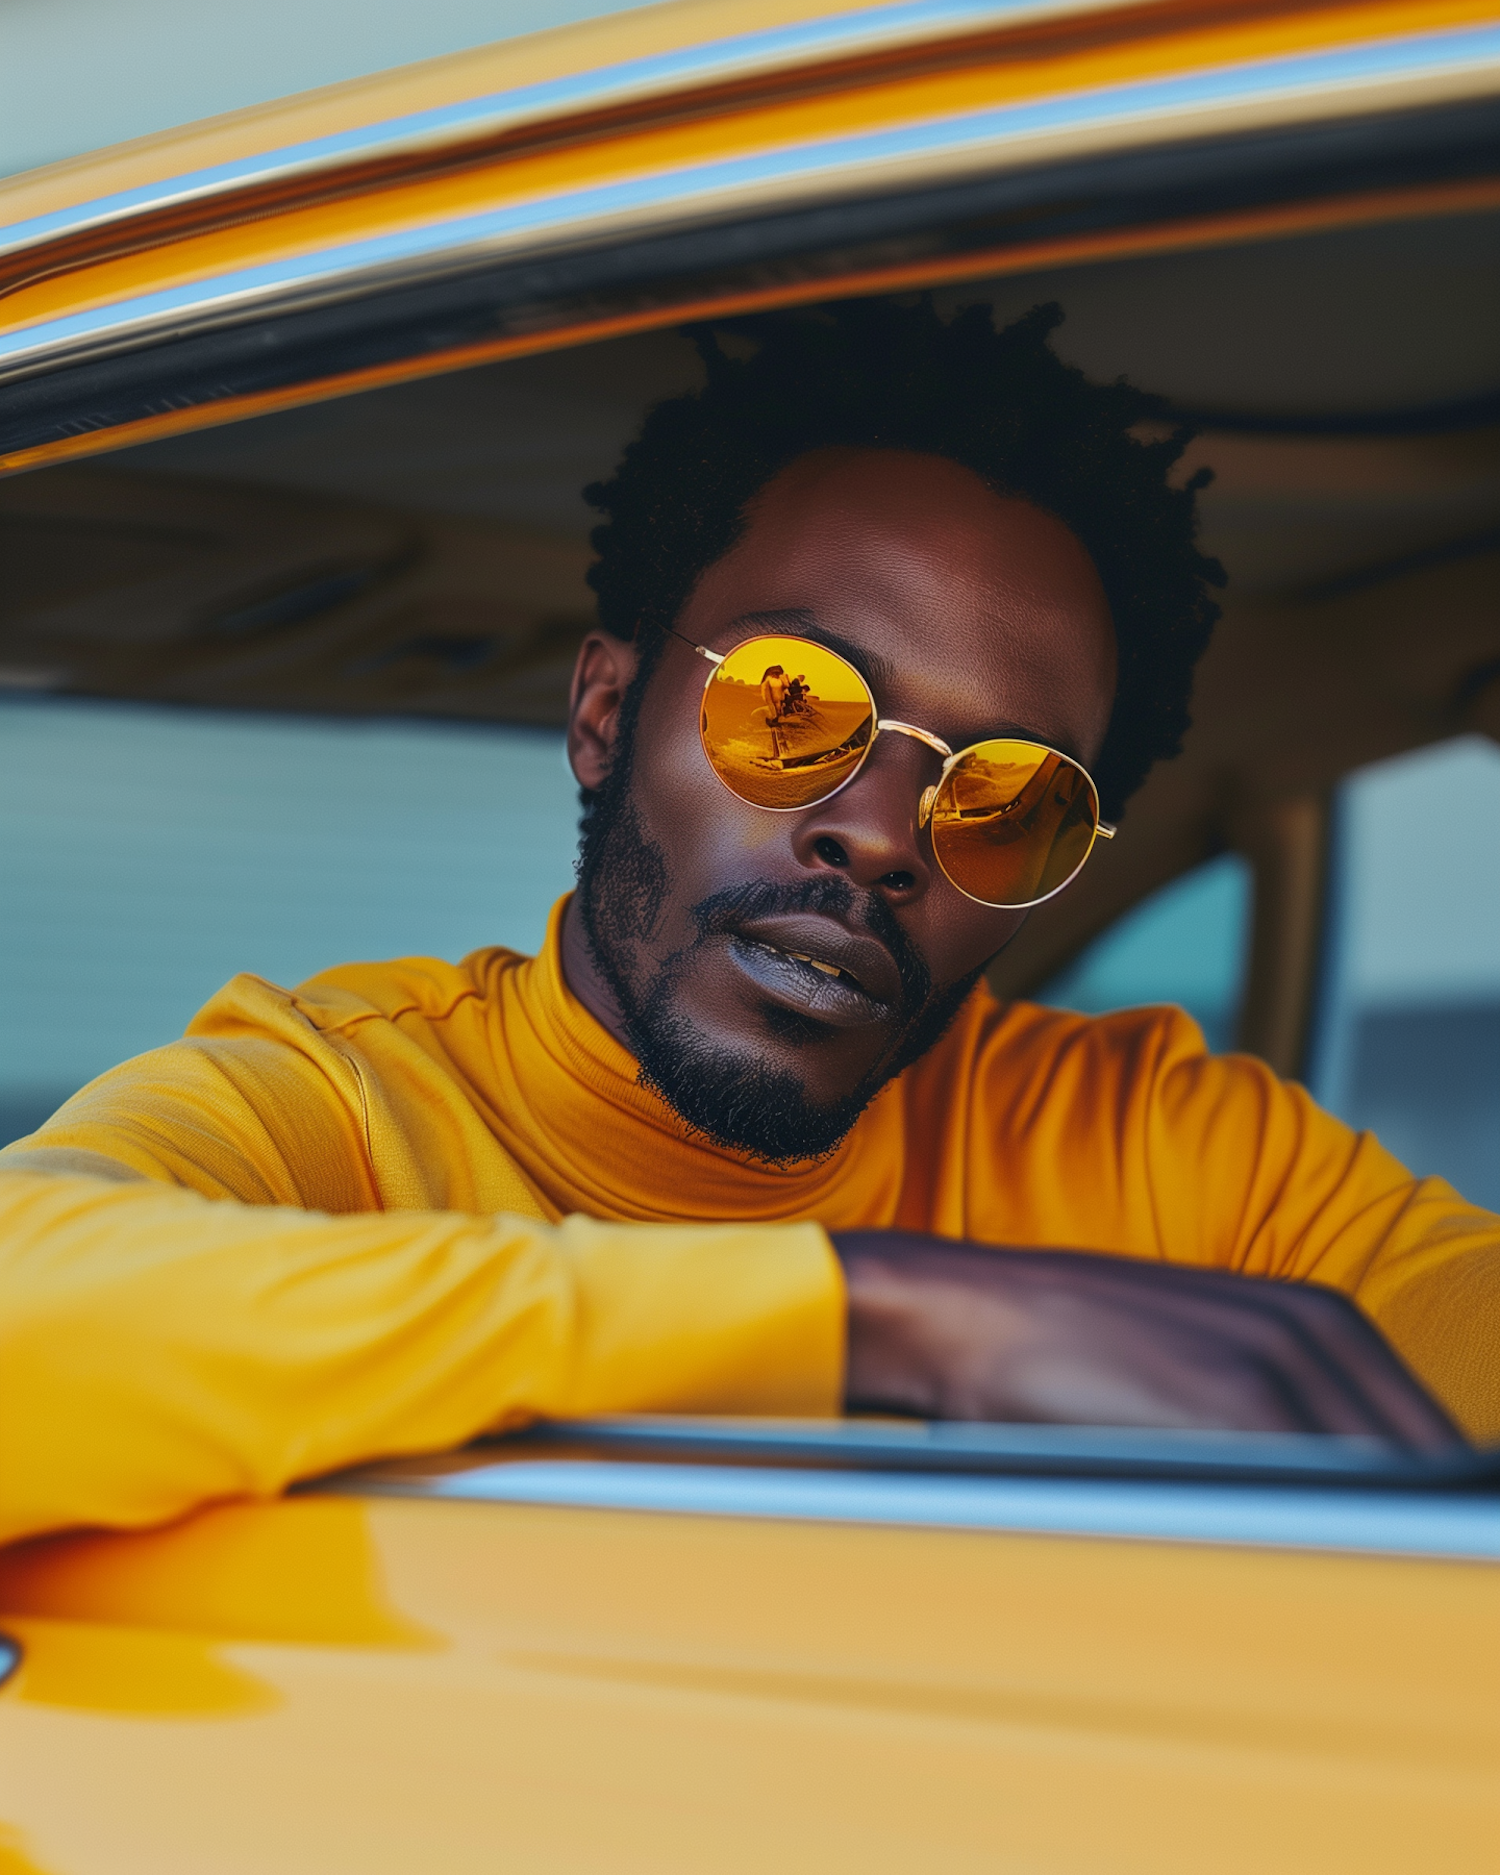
column 965, row 600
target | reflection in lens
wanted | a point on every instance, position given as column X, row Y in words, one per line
column 785, row 722
column 1013, row 822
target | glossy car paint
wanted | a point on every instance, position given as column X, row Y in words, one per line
column 352, row 1682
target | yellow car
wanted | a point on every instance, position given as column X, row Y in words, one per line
column 293, row 402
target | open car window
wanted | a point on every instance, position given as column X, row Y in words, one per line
column 1187, row 944
column 1408, row 1036
column 298, row 408
column 416, row 554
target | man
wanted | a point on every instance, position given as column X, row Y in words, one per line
column 750, row 1135
column 774, row 692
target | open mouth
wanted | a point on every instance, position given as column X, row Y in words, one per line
column 816, row 964
column 819, row 964
column 813, row 985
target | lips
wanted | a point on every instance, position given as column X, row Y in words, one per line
column 814, row 964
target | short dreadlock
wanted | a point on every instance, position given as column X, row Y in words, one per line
column 878, row 374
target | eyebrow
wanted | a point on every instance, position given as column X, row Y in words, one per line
column 875, row 669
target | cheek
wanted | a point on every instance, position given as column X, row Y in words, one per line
column 669, row 762
column 759, row 831
column 960, row 937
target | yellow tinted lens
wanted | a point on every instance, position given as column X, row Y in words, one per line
column 1013, row 821
column 785, row 722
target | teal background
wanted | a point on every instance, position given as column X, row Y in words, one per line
column 147, row 855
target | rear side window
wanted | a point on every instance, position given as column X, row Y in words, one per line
column 1408, row 1037
column 1187, row 944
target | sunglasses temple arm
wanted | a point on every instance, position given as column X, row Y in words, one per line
column 1107, row 830
column 702, row 650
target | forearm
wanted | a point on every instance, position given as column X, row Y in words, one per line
column 158, row 1349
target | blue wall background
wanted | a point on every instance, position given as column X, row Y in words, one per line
column 147, row 855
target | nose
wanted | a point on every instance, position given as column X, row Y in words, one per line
column 868, row 831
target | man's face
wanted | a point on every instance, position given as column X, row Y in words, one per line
column 972, row 615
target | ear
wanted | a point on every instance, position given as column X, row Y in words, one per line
column 601, row 677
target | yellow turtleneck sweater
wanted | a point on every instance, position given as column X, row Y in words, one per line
column 413, row 1201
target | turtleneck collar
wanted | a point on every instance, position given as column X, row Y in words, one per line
column 588, row 1137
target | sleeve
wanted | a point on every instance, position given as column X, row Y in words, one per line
column 1247, row 1172
column 159, row 1348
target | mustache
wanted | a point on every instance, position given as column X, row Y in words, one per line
column 722, row 913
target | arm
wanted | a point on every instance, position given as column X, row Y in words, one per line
column 232, row 1263
column 966, row 1331
column 158, row 1349
column 1252, row 1240
column 1285, row 1190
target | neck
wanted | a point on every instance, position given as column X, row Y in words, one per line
column 583, row 978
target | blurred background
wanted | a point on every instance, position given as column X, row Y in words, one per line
column 148, row 854
column 155, row 64
column 1407, row 1040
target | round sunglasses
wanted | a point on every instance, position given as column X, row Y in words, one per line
column 787, row 723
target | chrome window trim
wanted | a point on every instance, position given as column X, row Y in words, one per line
column 1462, row 1528
column 1451, row 64
column 1255, row 1490
column 696, row 67
column 1002, row 1449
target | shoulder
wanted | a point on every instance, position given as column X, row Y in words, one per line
column 1022, row 1038
column 350, row 996
column 1025, row 1060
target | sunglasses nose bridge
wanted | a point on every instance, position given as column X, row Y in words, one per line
column 938, row 747
column 897, row 727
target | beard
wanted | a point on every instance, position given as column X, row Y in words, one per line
column 732, row 1096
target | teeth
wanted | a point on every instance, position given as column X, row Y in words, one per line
column 816, row 963
column 829, row 970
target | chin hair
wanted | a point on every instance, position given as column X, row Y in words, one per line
column 742, row 1104
column 733, row 1099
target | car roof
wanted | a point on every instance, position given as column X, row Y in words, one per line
column 700, row 120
